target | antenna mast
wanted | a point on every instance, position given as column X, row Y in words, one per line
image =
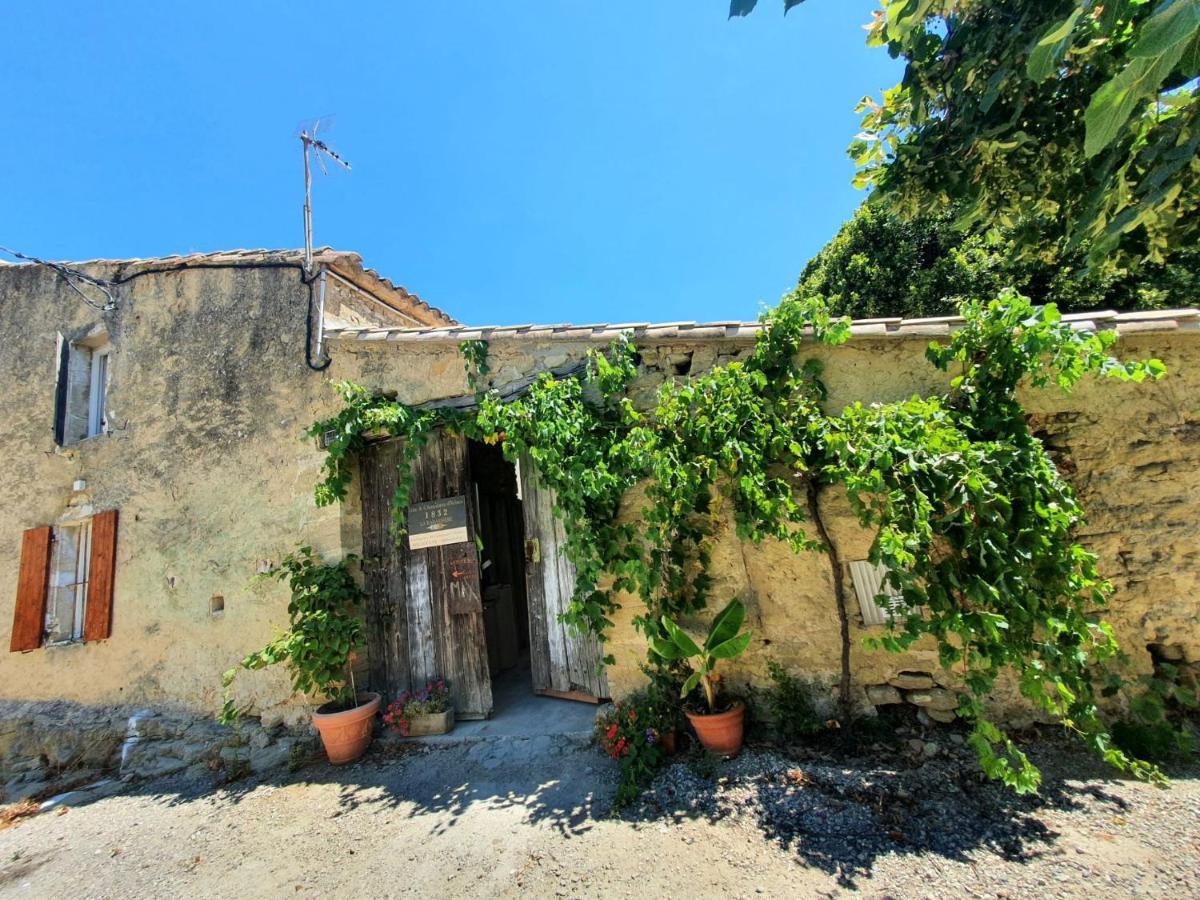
column 313, row 145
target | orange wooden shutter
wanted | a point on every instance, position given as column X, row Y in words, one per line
column 97, row 619
column 29, row 617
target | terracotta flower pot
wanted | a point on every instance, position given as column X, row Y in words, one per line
column 721, row 732
column 346, row 735
column 669, row 741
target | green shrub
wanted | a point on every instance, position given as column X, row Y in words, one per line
column 1154, row 741
column 1155, row 728
column 789, row 701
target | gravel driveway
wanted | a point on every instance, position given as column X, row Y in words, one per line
column 509, row 818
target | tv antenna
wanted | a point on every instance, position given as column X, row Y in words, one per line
column 314, row 148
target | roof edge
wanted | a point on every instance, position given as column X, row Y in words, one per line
column 345, row 263
column 1158, row 321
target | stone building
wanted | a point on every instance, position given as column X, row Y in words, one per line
column 155, row 463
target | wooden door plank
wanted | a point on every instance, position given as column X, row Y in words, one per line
column 564, row 662
column 535, row 585
column 557, row 577
column 441, row 470
column 384, row 573
column 421, row 654
column 373, row 566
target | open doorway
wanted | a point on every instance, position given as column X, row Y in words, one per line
column 500, row 526
column 475, row 590
column 526, row 584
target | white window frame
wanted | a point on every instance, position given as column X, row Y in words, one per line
column 871, row 584
column 98, row 393
column 80, row 533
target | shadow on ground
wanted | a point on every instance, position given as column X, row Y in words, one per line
column 565, row 784
column 841, row 817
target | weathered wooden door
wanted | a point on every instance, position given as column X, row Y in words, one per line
column 564, row 663
column 424, row 608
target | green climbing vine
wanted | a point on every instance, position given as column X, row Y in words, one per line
column 975, row 524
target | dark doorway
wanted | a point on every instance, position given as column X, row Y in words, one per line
column 500, row 526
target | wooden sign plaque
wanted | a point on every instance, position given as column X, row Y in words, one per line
column 437, row 522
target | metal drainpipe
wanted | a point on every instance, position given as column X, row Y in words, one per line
column 321, row 315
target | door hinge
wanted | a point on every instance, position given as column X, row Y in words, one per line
column 533, row 550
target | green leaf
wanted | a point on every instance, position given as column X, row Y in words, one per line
column 689, row 685
column 1190, row 61
column 731, row 648
column 685, row 644
column 726, row 624
column 1168, row 30
column 741, row 7
column 1049, row 51
column 665, row 649
column 1160, row 46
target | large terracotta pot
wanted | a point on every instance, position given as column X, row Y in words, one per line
column 721, row 732
column 346, row 735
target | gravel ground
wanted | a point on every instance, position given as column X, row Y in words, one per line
column 512, row 817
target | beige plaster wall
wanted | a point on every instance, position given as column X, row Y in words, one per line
column 209, row 395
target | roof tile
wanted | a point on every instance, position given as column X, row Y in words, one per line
column 1125, row 323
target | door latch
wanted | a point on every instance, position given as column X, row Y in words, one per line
column 533, row 550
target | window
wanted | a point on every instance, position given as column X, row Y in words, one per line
column 81, row 399
column 70, row 564
column 871, row 586
column 65, row 583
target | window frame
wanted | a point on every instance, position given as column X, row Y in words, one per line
column 81, row 536
column 97, row 419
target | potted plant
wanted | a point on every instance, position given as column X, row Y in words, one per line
column 633, row 731
column 318, row 648
column 721, row 725
column 422, row 712
column 658, row 703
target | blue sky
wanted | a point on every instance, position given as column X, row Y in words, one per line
column 550, row 162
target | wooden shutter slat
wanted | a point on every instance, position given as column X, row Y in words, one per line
column 29, row 616
column 97, row 619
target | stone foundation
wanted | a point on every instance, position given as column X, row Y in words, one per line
column 919, row 689
column 45, row 746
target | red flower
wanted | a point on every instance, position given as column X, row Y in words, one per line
column 633, row 715
column 612, row 731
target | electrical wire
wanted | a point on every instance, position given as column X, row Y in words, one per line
column 66, row 273
column 304, row 279
column 107, row 285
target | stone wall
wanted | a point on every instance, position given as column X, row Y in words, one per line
column 1132, row 451
column 46, row 746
